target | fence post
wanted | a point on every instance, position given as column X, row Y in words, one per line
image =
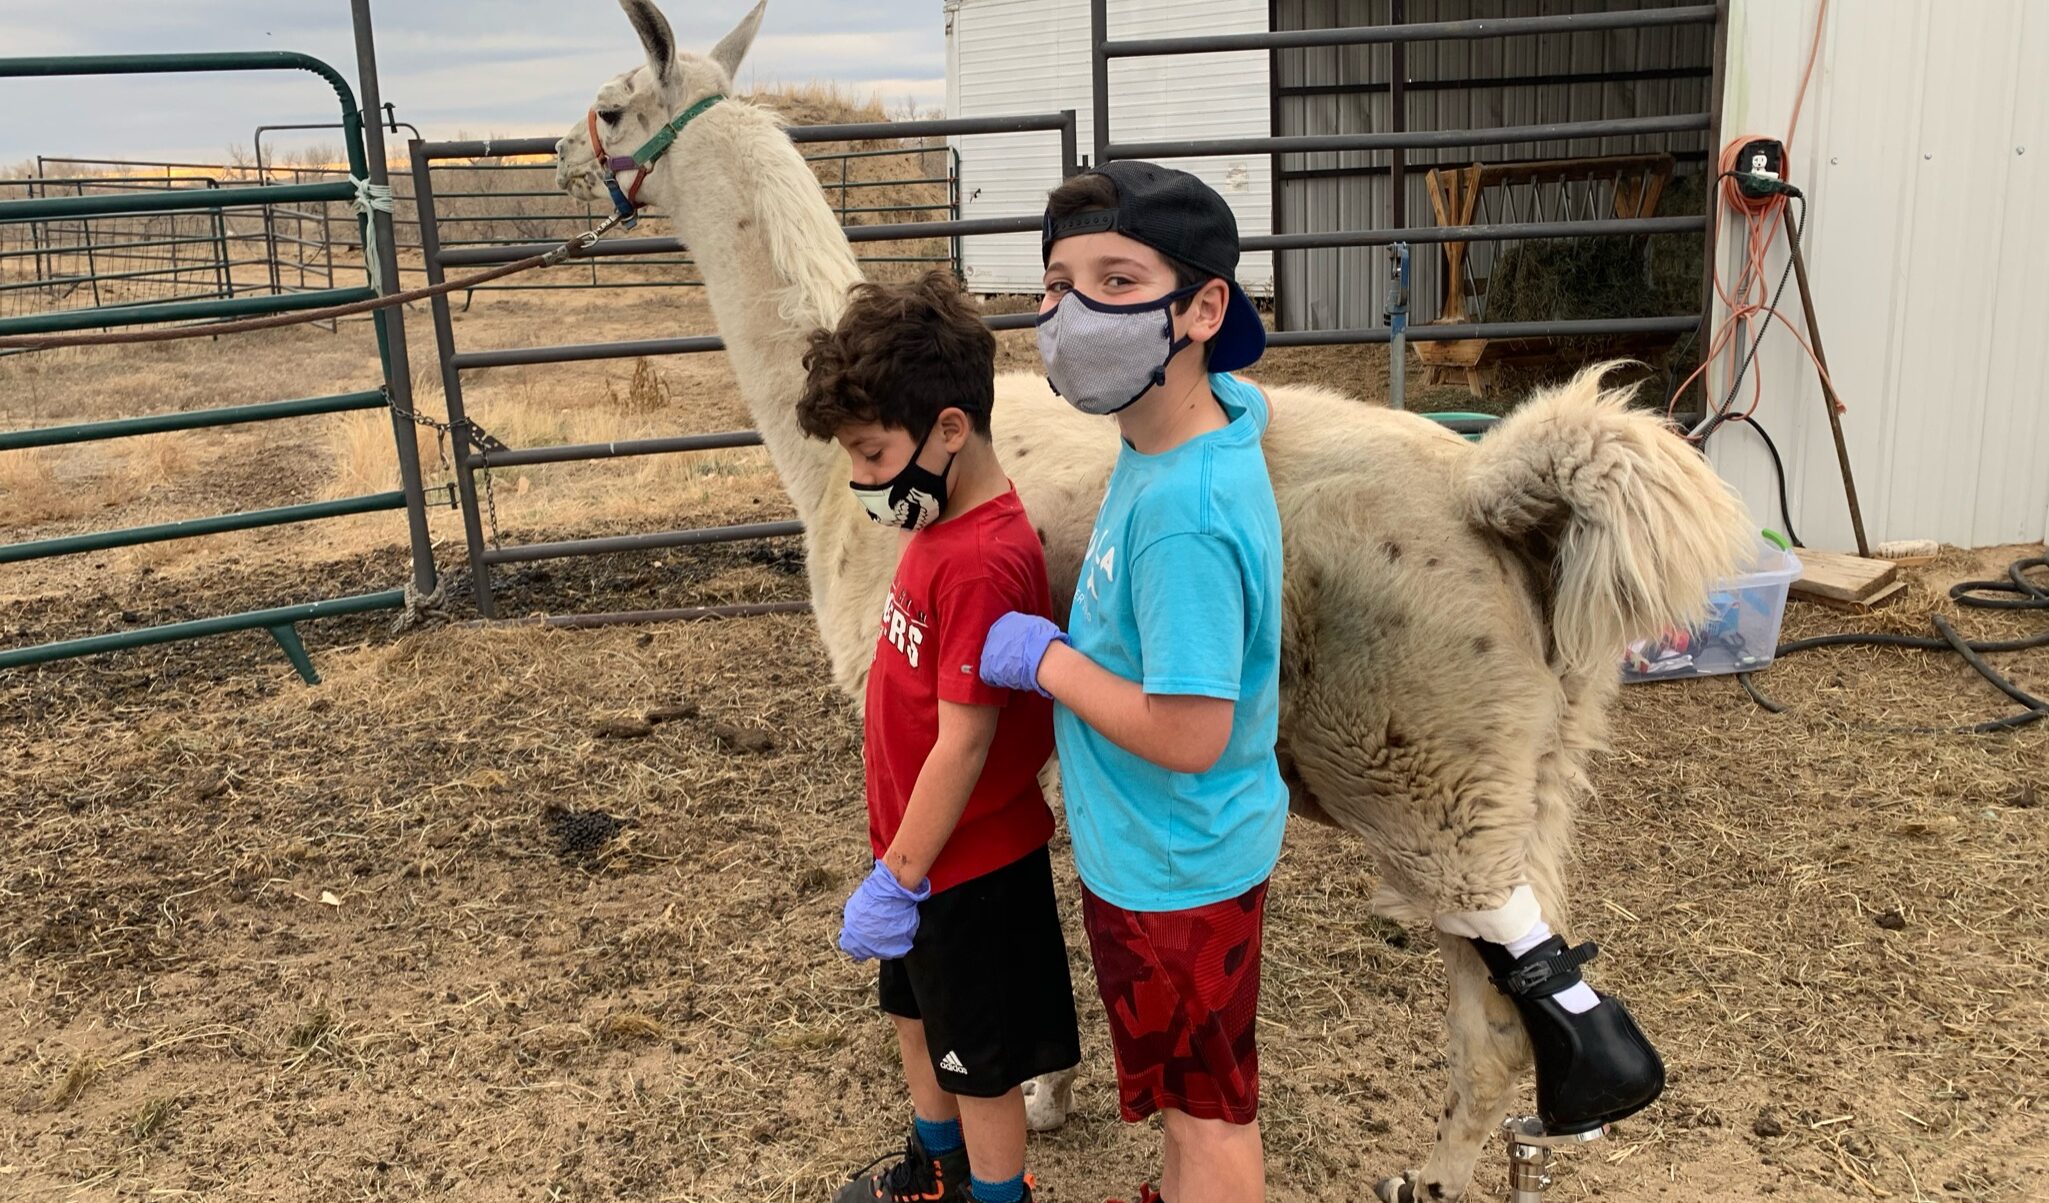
column 953, row 202
column 92, row 263
column 1099, row 76
column 451, row 380
column 220, row 242
column 390, row 323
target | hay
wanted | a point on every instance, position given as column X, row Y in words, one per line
column 1581, row 279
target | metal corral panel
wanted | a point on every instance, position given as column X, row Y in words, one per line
column 1921, row 145
column 1345, row 289
column 1031, row 56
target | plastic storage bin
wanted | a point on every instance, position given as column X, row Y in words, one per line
column 1741, row 633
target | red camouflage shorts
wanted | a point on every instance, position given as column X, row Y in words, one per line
column 1182, row 992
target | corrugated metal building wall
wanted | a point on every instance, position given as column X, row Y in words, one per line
column 1344, row 90
column 1032, row 56
column 1921, row 145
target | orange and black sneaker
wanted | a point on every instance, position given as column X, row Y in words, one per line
column 917, row 1177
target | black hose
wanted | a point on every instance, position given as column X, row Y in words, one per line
column 2027, row 596
column 1778, row 470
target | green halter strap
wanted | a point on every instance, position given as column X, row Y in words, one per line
column 655, row 147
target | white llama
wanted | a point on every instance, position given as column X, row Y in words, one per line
column 1455, row 612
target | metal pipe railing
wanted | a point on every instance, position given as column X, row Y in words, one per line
column 174, row 200
column 853, row 132
column 274, row 620
column 193, row 419
column 698, row 537
column 174, row 311
column 188, row 528
column 1557, row 131
column 1580, row 328
column 277, row 621
column 1429, row 31
column 579, row 452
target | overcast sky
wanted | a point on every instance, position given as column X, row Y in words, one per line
column 474, row 67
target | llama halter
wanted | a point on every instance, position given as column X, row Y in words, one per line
column 626, row 203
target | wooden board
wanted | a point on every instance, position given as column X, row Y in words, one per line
column 1839, row 577
column 1884, row 595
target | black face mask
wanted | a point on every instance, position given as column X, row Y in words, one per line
column 913, row 499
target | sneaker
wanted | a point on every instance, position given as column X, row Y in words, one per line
column 917, row 1177
column 1146, row 1194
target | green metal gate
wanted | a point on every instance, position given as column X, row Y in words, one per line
column 366, row 159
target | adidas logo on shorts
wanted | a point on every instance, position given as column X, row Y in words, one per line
column 951, row 1063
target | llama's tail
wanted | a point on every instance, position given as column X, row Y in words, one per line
column 1633, row 524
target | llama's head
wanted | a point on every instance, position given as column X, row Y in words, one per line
column 633, row 105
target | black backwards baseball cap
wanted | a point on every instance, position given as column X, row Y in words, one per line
column 1183, row 218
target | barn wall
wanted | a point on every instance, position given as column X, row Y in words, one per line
column 1345, row 289
column 1922, row 144
column 1030, row 56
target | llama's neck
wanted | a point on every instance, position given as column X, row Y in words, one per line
column 776, row 267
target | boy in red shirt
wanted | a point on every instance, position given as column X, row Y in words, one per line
column 959, row 908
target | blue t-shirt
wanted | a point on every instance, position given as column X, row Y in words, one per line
column 1181, row 592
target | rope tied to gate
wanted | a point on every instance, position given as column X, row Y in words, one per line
column 372, row 199
column 419, row 605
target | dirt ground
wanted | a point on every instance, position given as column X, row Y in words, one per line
column 271, row 942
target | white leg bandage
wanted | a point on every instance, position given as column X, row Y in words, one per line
column 1517, row 925
column 1509, row 921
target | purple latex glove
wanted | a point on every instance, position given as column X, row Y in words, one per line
column 881, row 916
column 1016, row 644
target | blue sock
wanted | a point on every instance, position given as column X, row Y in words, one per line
column 940, row 1138
column 1010, row 1190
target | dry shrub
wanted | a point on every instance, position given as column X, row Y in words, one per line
column 647, row 391
column 630, row 1026
column 360, row 448
column 157, row 461
column 33, row 490
column 28, row 486
column 85, row 1069
column 151, row 1119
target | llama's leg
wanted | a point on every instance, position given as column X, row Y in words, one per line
column 1048, row 1098
column 1478, row 874
column 1486, row 1054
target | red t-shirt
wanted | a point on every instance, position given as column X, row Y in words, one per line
column 955, row 579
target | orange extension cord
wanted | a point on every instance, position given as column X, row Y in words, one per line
column 1750, row 298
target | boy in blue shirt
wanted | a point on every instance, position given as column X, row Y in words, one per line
column 1167, row 682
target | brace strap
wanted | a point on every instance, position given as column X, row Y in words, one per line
column 1554, row 968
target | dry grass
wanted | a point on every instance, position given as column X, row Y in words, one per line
column 475, row 995
column 154, row 463
column 360, row 447
column 29, row 491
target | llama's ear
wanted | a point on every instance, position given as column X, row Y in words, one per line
column 654, row 32
column 733, row 47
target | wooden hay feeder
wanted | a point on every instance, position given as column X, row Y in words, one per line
column 1542, row 190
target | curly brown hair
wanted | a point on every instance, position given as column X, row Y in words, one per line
column 901, row 355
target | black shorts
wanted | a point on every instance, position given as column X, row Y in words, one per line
column 987, row 974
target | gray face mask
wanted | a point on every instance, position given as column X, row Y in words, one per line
column 1103, row 357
